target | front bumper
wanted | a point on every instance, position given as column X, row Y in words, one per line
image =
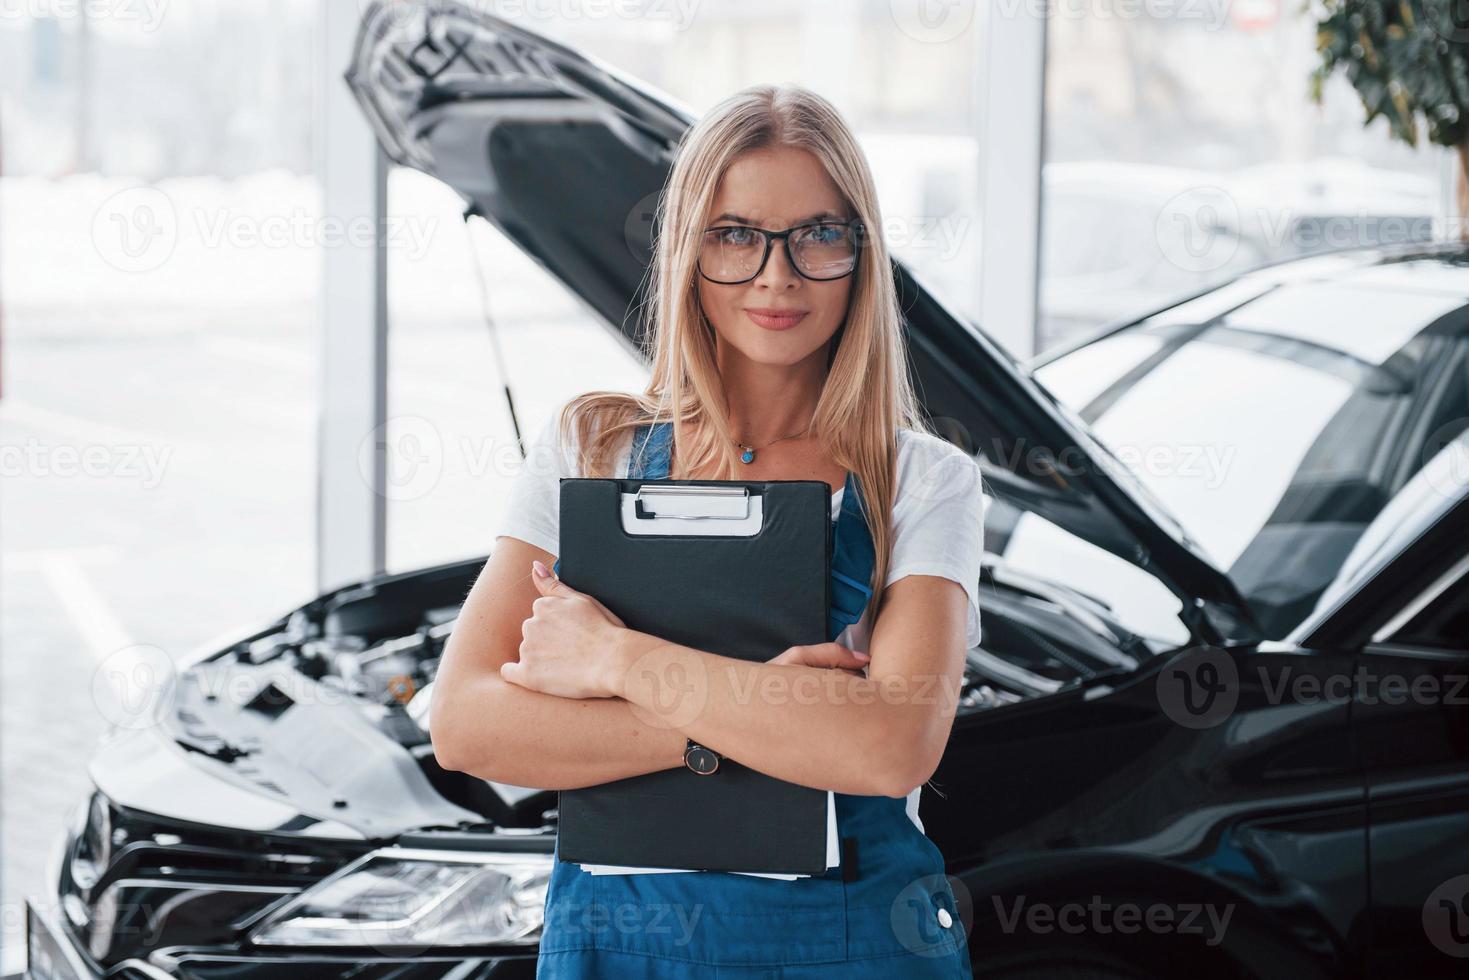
column 50, row 953
column 57, row 950
column 53, row 956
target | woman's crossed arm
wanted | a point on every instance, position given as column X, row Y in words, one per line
column 543, row 686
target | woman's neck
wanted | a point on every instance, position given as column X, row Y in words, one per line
column 766, row 401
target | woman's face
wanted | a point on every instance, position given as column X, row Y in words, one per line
column 779, row 317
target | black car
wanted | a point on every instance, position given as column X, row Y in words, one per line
column 1148, row 775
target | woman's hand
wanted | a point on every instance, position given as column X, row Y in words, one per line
column 825, row 655
column 567, row 642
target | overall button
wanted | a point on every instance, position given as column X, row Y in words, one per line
column 945, row 919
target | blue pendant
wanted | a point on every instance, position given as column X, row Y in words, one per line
column 748, row 456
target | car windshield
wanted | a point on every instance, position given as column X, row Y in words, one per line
column 1276, row 432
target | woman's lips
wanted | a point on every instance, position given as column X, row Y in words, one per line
column 775, row 319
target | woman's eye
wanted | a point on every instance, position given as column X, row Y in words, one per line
column 825, row 234
column 735, row 236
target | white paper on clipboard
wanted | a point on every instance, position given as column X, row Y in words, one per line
column 833, row 855
column 707, row 510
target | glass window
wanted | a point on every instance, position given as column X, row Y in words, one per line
column 1183, row 147
column 452, row 449
column 1443, row 623
column 1277, row 432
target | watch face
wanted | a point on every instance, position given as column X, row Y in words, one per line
column 703, row 761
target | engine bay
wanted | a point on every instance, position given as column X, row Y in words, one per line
column 362, row 662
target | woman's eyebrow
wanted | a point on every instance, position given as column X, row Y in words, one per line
column 818, row 216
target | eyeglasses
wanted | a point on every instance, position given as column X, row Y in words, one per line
column 820, row 250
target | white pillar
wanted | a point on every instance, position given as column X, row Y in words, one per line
column 1011, row 106
column 351, row 505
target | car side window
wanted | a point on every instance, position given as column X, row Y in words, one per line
column 1443, row 623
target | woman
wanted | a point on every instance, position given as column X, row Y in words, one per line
column 777, row 354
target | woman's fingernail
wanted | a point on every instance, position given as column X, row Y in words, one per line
column 538, row 568
column 862, row 655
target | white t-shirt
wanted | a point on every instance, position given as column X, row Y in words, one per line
column 937, row 525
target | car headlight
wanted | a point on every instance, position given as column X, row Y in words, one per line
column 401, row 897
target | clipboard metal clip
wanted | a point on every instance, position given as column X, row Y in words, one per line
column 712, row 502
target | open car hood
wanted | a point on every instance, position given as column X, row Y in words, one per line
column 566, row 156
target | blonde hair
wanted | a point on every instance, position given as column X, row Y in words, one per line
column 866, row 396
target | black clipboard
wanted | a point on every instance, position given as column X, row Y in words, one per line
column 739, row 568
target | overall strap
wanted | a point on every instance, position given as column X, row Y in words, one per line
column 651, row 447
column 853, row 557
column 853, row 554
column 648, row 459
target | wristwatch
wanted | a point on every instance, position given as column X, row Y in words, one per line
column 701, row 759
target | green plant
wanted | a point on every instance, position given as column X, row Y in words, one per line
column 1409, row 62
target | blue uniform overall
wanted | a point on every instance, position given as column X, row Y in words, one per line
column 887, row 911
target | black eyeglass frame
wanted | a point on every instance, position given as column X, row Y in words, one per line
column 855, row 226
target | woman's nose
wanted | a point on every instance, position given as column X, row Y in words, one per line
column 778, row 270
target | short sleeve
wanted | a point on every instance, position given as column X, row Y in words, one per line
column 938, row 522
column 533, row 511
